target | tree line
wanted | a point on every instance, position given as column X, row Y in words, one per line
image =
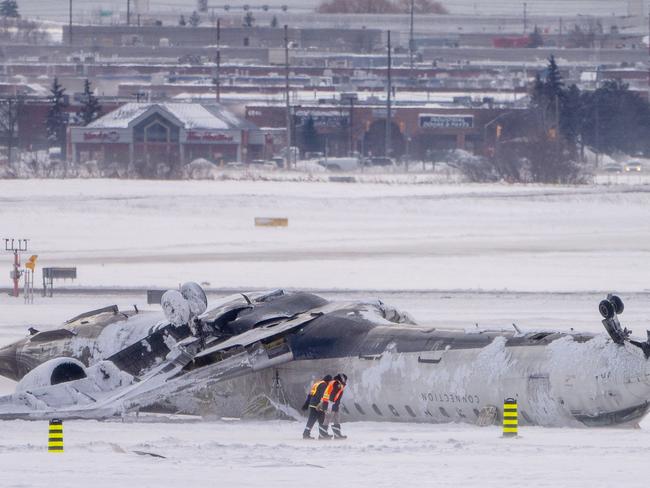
column 380, row 7
column 548, row 140
column 56, row 121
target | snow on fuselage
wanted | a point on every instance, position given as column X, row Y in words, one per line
column 558, row 379
column 397, row 371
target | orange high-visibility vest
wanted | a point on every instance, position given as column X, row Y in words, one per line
column 328, row 392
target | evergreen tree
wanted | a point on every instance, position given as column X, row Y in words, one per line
column 572, row 115
column 9, row 8
column 310, row 137
column 548, row 93
column 10, row 109
column 57, row 118
column 181, row 21
column 249, row 20
column 91, row 108
column 274, row 22
column 616, row 119
column 195, row 20
column 553, row 78
column 535, row 38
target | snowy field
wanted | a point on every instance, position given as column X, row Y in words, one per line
column 340, row 236
column 271, row 454
column 453, row 255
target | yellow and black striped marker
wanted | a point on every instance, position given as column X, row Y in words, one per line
column 55, row 436
column 510, row 422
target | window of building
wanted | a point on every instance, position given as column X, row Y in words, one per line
column 359, row 409
column 156, row 132
column 410, row 411
column 376, row 409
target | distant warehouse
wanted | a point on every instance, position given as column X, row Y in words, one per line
column 139, row 137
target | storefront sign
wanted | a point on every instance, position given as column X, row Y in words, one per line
column 432, row 121
column 83, row 135
column 380, row 113
column 210, row 137
column 101, row 136
column 321, row 118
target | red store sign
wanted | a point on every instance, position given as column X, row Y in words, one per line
column 101, row 136
column 194, row 136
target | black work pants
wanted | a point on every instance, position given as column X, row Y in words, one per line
column 314, row 415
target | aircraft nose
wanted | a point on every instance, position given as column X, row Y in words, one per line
column 9, row 362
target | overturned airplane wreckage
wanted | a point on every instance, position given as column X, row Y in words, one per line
column 221, row 361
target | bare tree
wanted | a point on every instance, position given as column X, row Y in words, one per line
column 9, row 110
column 380, row 7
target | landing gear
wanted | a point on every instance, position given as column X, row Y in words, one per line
column 606, row 309
column 610, row 308
column 618, row 304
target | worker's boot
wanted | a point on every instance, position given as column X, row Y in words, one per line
column 306, row 434
column 336, row 429
column 322, row 431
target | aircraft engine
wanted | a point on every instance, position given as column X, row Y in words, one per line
column 181, row 306
column 52, row 372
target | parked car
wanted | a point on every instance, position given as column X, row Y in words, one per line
column 633, row 167
column 613, row 168
column 340, row 164
column 235, row 165
column 379, row 161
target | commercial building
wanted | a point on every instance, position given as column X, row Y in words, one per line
column 141, row 136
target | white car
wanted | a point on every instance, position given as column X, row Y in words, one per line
column 633, row 167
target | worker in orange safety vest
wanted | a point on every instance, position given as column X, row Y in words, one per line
column 311, row 403
column 331, row 404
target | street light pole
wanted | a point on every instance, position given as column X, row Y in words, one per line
column 411, row 40
column 286, row 81
column 218, row 74
column 387, row 144
column 70, row 23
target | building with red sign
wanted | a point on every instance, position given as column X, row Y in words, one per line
column 141, row 136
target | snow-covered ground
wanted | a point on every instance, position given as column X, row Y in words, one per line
column 271, row 454
column 340, row 236
column 453, row 255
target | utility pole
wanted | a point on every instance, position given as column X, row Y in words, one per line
column 559, row 40
column 16, row 246
column 389, row 89
column 525, row 17
column 286, row 81
column 351, row 124
column 411, row 40
column 70, row 23
column 557, row 127
column 128, row 12
column 217, row 79
column 350, row 98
